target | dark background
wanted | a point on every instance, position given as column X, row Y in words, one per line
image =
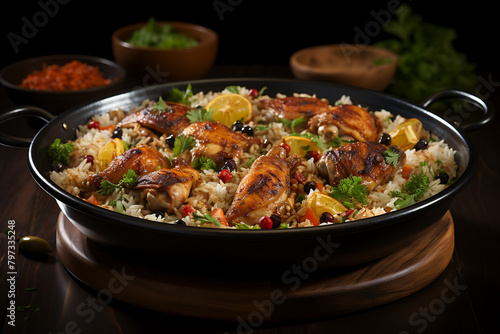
column 251, row 31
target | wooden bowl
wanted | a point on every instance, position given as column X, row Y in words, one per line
column 150, row 65
column 57, row 101
column 348, row 64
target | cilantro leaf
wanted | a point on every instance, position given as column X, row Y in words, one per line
column 60, row 152
column 200, row 115
column 182, row 143
column 315, row 138
column 392, row 157
column 176, row 95
column 203, row 163
column 129, row 179
column 292, row 124
column 233, row 89
column 350, row 191
column 160, row 105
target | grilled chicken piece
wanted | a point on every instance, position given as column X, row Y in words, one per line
column 171, row 121
column 363, row 159
column 264, row 190
column 142, row 160
column 166, row 189
column 348, row 119
column 217, row 141
column 294, row 107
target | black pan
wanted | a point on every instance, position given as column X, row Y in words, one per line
column 324, row 246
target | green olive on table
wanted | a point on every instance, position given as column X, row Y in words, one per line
column 34, row 245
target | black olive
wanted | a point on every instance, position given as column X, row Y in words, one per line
column 117, row 132
column 57, row 166
column 159, row 213
column 248, row 130
column 443, row 178
column 326, row 217
column 276, row 221
column 180, row 222
column 237, row 126
column 385, row 139
column 170, row 141
column 421, row 145
column 230, row 165
column 310, row 185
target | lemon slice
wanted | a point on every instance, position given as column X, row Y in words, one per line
column 406, row 134
column 229, row 108
column 300, row 145
column 109, row 151
column 320, row 203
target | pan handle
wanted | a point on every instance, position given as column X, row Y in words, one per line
column 487, row 116
column 23, row 111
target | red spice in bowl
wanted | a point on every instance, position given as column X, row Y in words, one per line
column 74, row 75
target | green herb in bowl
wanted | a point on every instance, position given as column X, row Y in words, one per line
column 161, row 36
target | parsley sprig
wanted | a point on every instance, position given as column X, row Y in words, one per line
column 60, row 152
column 350, row 191
column 412, row 191
column 206, row 218
column 203, row 163
column 129, row 179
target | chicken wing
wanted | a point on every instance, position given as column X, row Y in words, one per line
column 349, row 119
column 294, row 107
column 166, row 189
column 217, row 141
column 170, row 121
column 363, row 159
column 264, row 190
column 142, row 160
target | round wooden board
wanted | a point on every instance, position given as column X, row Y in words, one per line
column 298, row 292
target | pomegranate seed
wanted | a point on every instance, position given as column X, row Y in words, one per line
column 299, row 177
column 93, row 125
column 315, row 155
column 254, row 93
column 225, row 176
column 266, row 223
column 286, row 147
column 186, row 210
column 90, row 158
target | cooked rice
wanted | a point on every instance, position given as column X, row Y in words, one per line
column 211, row 192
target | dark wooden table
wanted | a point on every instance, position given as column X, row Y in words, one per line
column 465, row 298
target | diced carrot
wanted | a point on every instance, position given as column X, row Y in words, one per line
column 218, row 214
column 311, row 216
column 92, row 200
column 319, row 186
column 406, row 171
column 110, row 128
